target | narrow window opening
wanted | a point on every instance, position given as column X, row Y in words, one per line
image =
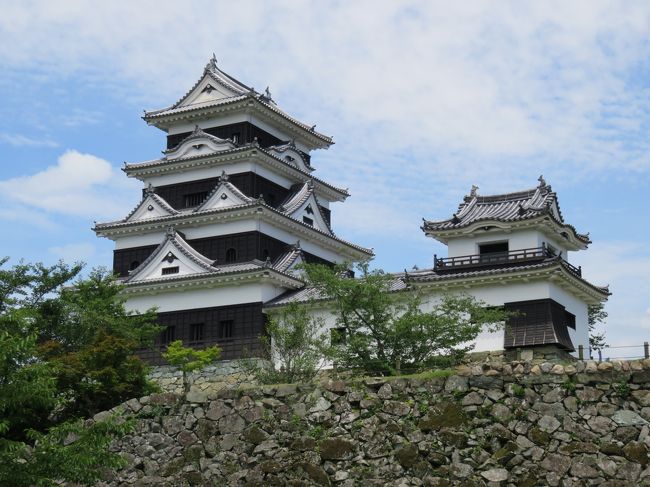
column 168, row 335
column 166, row 271
column 225, row 329
column 265, row 254
column 308, row 221
column 196, row 332
column 134, row 265
column 235, row 137
column 231, row 255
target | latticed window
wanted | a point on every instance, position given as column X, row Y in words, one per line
column 166, row 271
column 194, row 199
column 196, row 332
column 225, row 329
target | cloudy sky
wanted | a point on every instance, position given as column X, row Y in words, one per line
column 423, row 99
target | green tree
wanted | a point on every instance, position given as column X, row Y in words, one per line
column 295, row 344
column 596, row 315
column 189, row 360
column 383, row 327
column 57, row 365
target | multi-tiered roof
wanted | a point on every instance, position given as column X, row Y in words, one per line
column 537, row 207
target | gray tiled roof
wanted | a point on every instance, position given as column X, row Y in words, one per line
column 161, row 162
column 509, row 207
column 242, row 92
column 403, row 280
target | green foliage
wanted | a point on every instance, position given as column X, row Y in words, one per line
column 518, row 391
column 622, row 388
column 596, row 314
column 383, row 328
column 66, row 351
column 189, row 360
column 295, row 343
column 569, row 386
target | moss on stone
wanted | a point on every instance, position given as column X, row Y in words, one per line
column 336, row 449
column 407, row 455
column 448, row 415
column 539, row 436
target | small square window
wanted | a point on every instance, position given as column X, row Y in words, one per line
column 308, row 221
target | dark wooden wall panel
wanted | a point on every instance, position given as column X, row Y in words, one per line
column 248, row 183
column 245, row 132
column 248, row 326
column 248, row 246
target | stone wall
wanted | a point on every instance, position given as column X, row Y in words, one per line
column 491, row 424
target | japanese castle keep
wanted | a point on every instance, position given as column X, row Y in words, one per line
column 226, row 214
column 233, row 206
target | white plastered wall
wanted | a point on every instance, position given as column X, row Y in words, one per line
column 497, row 295
column 517, row 240
column 177, row 300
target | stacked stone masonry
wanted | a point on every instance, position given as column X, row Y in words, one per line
column 519, row 424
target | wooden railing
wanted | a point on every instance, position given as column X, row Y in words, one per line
column 498, row 259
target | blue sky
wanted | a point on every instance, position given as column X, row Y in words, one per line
column 423, row 99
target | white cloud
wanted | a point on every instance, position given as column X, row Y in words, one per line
column 18, row 140
column 79, row 184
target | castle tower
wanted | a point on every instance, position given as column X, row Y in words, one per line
column 227, row 212
column 512, row 250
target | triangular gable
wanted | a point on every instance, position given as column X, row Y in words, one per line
column 213, row 85
column 303, row 206
column 151, row 206
column 289, row 261
column 199, row 143
column 289, row 154
column 173, row 258
column 224, row 195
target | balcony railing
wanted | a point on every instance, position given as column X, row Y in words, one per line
column 496, row 259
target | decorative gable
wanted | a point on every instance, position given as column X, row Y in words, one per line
column 173, row 258
column 289, row 154
column 289, row 261
column 303, row 206
column 199, row 143
column 224, row 195
column 152, row 206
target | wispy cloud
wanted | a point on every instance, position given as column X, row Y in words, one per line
column 78, row 184
column 18, row 140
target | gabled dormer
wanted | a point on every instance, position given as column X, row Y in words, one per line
column 151, row 206
column 224, row 195
column 290, row 260
column 303, row 205
column 172, row 258
column 289, row 153
column 199, row 143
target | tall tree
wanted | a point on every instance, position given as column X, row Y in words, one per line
column 383, row 327
column 66, row 351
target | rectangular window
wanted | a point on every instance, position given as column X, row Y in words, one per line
column 493, row 248
column 169, row 270
column 308, row 221
column 225, row 329
column 194, row 199
column 168, row 335
column 196, row 332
